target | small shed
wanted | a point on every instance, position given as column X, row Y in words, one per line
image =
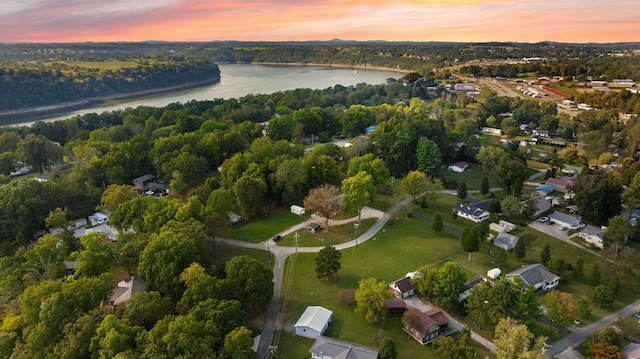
column 505, row 241
column 494, row 273
column 295, row 209
column 313, row 322
column 313, row 227
column 396, row 307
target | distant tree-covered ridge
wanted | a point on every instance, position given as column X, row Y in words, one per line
column 28, row 84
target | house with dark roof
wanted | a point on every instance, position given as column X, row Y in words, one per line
column 425, row 327
column 396, row 306
column 125, row 290
column 402, row 288
column 593, row 235
column 459, row 167
column 476, row 212
column 141, row 183
column 536, row 275
column 468, row 286
column 330, row 348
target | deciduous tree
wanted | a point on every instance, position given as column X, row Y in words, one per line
column 561, row 308
column 325, row 200
column 250, row 281
column 415, row 184
column 358, row 190
column 371, row 298
column 515, row 341
column 328, row 262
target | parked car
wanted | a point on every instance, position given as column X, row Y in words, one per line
column 543, row 219
column 562, row 228
column 551, row 222
column 277, row 238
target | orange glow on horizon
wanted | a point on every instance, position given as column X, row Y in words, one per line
column 270, row 20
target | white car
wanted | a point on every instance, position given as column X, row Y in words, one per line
column 543, row 219
column 562, row 228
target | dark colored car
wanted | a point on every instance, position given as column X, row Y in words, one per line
column 277, row 238
column 551, row 222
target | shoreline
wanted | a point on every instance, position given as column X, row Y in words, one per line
column 91, row 100
column 78, row 104
column 358, row 67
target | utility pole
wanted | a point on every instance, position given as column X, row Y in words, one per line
column 296, row 236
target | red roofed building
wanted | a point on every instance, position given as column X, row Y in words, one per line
column 425, row 327
column 402, row 288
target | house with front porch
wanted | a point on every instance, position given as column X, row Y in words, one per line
column 536, row 275
column 476, row 212
column 425, row 327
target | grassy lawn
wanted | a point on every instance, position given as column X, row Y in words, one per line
column 537, row 164
column 337, row 234
column 260, row 230
column 472, row 177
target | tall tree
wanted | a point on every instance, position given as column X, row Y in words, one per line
column 325, row 200
column 328, row 262
column 375, row 167
column 250, row 281
column 545, row 255
column 449, row 348
column 370, row 299
column 515, row 341
column 462, row 190
column 489, row 157
column 115, row 195
column 163, row 259
column 358, row 190
column 428, row 156
column 38, row 151
column 97, row 256
column 561, row 308
column 415, row 184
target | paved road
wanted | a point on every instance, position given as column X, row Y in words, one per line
column 281, row 253
column 580, row 333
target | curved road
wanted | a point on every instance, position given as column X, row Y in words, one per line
column 281, row 253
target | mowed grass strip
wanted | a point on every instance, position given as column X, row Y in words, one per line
column 265, row 228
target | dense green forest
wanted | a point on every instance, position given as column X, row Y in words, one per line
column 33, row 84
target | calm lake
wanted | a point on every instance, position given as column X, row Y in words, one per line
column 236, row 81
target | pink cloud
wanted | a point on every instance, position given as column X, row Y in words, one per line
column 412, row 20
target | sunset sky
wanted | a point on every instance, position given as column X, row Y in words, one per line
column 271, row 20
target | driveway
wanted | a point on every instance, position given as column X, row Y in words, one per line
column 554, row 231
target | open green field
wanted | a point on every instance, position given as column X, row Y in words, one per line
column 263, row 229
column 472, row 177
column 101, row 65
column 403, row 246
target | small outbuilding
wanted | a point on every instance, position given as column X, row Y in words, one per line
column 505, row 241
column 295, row 209
column 313, row 227
column 313, row 322
column 396, row 306
column 494, row 273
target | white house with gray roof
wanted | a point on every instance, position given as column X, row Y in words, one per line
column 476, row 212
column 536, row 275
column 593, row 235
column 569, row 220
column 329, row 348
column 313, row 322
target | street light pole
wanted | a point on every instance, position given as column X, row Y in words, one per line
column 355, row 232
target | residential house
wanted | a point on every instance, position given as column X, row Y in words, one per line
column 476, row 212
column 495, row 131
column 545, row 189
column 402, row 288
column 125, row 290
column 505, row 241
column 313, row 322
column 593, row 235
column 561, row 184
column 459, row 167
column 631, row 351
column 330, row 348
column 425, row 327
column 396, row 306
column 536, row 275
column 468, row 286
column 142, row 183
column 568, row 220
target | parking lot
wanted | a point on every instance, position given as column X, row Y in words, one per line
column 550, row 229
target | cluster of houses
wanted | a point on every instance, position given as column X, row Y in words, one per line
column 423, row 326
